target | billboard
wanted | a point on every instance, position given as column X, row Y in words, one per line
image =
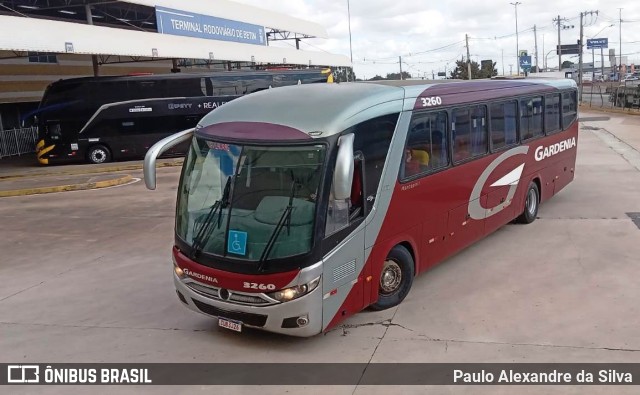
column 184, row 23
column 596, row 43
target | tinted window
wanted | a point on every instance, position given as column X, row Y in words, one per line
column 531, row 118
column 552, row 113
column 504, row 124
column 426, row 147
column 469, row 129
column 42, row 57
column 373, row 139
column 65, row 92
column 569, row 111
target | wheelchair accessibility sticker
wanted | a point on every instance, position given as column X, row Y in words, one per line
column 237, row 243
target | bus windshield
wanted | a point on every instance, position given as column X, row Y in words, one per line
column 249, row 202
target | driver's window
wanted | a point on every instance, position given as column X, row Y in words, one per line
column 371, row 146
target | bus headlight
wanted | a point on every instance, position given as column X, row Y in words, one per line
column 177, row 269
column 288, row 294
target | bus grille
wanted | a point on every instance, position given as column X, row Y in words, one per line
column 234, row 297
column 258, row 320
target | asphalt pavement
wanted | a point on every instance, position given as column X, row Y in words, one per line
column 88, row 278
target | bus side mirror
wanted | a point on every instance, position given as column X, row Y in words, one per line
column 343, row 174
column 158, row 149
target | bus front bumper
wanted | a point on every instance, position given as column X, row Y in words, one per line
column 282, row 318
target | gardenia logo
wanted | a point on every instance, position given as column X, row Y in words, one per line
column 545, row 152
column 200, row 276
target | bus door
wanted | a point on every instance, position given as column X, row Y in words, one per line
column 344, row 243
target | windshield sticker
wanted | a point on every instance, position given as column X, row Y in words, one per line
column 237, row 243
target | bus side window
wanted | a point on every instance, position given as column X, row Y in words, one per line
column 569, row 111
column 426, row 147
column 531, row 118
column 552, row 113
column 469, row 128
column 503, row 124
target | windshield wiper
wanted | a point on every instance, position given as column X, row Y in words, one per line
column 285, row 219
column 205, row 229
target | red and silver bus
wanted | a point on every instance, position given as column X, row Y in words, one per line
column 301, row 206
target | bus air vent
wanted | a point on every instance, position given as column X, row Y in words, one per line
column 344, row 271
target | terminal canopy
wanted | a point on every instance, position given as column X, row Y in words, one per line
column 197, row 29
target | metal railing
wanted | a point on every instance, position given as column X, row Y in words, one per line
column 623, row 95
column 18, row 141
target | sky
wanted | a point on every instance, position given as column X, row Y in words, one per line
column 430, row 35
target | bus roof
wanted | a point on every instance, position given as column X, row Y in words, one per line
column 155, row 77
column 332, row 108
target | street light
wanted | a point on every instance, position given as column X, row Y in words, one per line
column 515, row 5
column 545, row 58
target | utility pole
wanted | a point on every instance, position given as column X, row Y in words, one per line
column 559, row 43
column 400, row 61
column 510, row 69
column 466, row 36
column 580, row 71
column 535, row 36
column 503, row 62
column 580, row 58
column 350, row 48
column 620, row 65
column 515, row 5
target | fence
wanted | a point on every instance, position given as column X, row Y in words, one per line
column 612, row 95
column 18, row 141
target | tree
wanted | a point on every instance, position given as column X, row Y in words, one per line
column 376, row 78
column 396, row 76
column 567, row 64
column 461, row 71
column 487, row 71
column 340, row 74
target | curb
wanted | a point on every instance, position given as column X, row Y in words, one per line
column 111, row 169
column 66, row 188
column 584, row 107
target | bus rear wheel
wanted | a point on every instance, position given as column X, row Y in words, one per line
column 98, row 154
column 396, row 278
column 531, row 204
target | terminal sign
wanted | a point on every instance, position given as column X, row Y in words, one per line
column 183, row 23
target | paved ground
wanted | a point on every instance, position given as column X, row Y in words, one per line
column 87, row 278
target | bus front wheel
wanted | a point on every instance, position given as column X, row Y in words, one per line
column 531, row 204
column 98, row 154
column 396, row 278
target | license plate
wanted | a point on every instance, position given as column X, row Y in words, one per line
column 230, row 324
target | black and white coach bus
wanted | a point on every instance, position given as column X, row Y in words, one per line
column 100, row 119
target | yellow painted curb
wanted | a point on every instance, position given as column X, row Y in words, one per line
column 66, row 188
column 111, row 169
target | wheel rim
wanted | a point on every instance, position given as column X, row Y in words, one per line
column 390, row 278
column 532, row 201
column 98, row 156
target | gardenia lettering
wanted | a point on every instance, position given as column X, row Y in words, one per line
column 543, row 152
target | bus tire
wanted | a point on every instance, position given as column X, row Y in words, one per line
column 98, row 154
column 396, row 278
column 531, row 204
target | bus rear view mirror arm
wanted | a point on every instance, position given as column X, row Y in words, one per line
column 343, row 175
column 158, row 149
